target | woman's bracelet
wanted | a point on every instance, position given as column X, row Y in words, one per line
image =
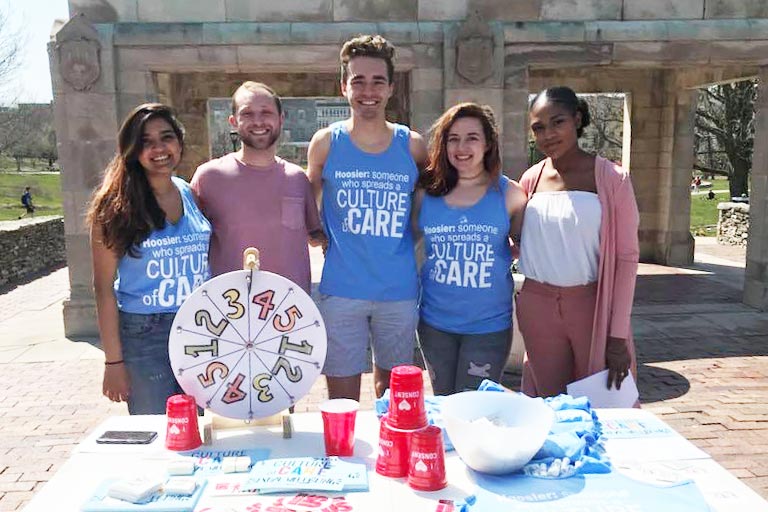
column 110, row 363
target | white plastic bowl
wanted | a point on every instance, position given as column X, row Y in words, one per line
column 492, row 449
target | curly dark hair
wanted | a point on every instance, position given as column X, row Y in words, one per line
column 439, row 176
column 124, row 209
column 367, row 46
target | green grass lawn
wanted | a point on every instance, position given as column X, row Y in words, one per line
column 45, row 188
column 704, row 212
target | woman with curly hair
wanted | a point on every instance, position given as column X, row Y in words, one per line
column 149, row 243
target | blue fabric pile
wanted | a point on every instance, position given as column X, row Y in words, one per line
column 573, row 446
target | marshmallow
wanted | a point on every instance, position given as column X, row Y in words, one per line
column 135, row 489
column 180, row 486
column 242, row 464
column 229, row 465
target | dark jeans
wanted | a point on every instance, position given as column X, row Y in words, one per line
column 145, row 351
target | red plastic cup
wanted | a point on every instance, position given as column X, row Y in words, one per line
column 339, row 426
column 182, row 433
column 393, row 451
column 406, row 398
column 426, row 464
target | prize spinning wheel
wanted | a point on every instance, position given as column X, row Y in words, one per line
column 247, row 344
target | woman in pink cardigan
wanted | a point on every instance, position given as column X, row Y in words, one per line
column 579, row 253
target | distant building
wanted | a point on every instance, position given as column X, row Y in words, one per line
column 330, row 111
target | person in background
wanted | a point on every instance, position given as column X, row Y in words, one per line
column 255, row 198
column 579, row 254
column 149, row 242
column 462, row 210
column 364, row 170
column 26, row 202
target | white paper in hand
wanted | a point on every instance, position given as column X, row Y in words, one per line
column 594, row 387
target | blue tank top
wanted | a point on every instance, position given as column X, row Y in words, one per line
column 366, row 211
column 466, row 282
column 172, row 262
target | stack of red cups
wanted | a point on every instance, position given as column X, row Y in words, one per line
column 408, row 446
column 183, row 432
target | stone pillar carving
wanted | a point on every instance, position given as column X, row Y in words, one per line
column 756, row 273
column 86, row 124
column 473, row 58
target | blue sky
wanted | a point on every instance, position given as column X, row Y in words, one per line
column 33, row 79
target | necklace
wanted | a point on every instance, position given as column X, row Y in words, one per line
column 470, row 178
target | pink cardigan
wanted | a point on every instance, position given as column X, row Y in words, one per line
column 619, row 253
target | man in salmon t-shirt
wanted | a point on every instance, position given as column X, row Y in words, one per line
column 254, row 198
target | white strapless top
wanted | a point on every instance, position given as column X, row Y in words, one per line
column 560, row 242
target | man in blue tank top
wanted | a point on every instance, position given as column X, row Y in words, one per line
column 364, row 170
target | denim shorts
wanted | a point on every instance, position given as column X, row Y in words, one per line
column 458, row 362
column 351, row 324
column 145, row 352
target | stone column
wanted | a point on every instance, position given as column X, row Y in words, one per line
column 660, row 160
column 426, row 98
column 644, row 108
column 515, row 120
column 756, row 273
column 676, row 192
column 82, row 69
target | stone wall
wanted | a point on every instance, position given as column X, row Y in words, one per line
column 29, row 246
column 413, row 10
column 733, row 224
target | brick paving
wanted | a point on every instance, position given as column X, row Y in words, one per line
column 703, row 368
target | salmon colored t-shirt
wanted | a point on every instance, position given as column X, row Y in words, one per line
column 271, row 208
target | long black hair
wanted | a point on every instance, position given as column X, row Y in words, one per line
column 124, row 209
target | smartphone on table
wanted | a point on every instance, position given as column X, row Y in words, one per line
column 126, row 437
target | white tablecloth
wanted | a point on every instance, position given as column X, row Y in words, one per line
column 662, row 454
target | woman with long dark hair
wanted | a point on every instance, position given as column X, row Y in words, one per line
column 579, row 253
column 463, row 210
column 149, row 243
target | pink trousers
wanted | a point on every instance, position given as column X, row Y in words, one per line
column 556, row 324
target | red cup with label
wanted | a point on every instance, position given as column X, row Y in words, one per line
column 426, row 463
column 406, row 398
column 339, row 426
column 182, row 433
column 393, row 451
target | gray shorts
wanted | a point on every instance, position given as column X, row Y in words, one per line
column 351, row 324
column 457, row 362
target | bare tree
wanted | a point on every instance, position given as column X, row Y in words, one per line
column 604, row 134
column 11, row 46
column 26, row 131
column 725, row 132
